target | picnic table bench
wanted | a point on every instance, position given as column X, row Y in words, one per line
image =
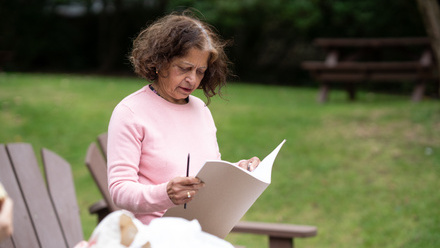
column 46, row 212
column 280, row 235
column 354, row 60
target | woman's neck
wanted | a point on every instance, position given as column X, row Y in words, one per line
column 157, row 90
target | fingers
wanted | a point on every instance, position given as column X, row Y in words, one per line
column 253, row 163
column 190, row 182
column 249, row 164
column 182, row 190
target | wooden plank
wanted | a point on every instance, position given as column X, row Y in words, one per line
column 24, row 235
column 98, row 168
column 101, row 208
column 363, row 77
column 371, row 42
column 36, row 196
column 340, row 77
column 276, row 229
column 102, row 141
column 62, row 192
column 393, row 77
column 7, row 243
column 366, row 66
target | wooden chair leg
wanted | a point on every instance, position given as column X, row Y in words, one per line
column 277, row 242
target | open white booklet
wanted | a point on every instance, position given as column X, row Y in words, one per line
column 228, row 194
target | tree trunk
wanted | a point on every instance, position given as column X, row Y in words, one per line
column 430, row 11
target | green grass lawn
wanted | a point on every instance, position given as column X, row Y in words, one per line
column 366, row 173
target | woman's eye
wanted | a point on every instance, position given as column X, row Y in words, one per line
column 184, row 68
column 201, row 72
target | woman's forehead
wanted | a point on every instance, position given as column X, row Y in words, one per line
column 194, row 57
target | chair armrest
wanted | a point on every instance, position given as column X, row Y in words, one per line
column 99, row 208
column 275, row 229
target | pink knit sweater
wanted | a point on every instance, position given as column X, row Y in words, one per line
column 149, row 139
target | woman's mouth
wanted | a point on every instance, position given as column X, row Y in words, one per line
column 186, row 90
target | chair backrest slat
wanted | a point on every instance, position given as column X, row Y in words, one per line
column 24, row 235
column 7, row 243
column 102, row 141
column 62, row 192
column 36, row 196
column 98, row 168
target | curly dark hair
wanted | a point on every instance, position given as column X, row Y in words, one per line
column 173, row 36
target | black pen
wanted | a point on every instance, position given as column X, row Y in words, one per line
column 187, row 175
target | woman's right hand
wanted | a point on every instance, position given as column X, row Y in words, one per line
column 182, row 190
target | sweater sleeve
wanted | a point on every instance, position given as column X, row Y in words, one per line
column 125, row 137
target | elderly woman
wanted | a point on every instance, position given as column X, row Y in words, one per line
column 152, row 131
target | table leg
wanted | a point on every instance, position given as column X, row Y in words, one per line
column 323, row 93
column 275, row 242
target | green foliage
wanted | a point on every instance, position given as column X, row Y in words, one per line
column 365, row 173
column 270, row 38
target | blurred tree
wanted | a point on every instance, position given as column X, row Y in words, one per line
column 73, row 35
column 269, row 38
column 116, row 18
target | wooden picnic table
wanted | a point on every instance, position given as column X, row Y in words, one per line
column 355, row 60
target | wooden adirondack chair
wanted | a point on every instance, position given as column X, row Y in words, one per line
column 280, row 235
column 46, row 212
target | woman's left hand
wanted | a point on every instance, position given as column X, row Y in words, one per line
column 249, row 164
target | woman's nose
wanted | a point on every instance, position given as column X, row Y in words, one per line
column 191, row 77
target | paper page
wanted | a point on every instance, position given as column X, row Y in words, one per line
column 264, row 170
column 228, row 194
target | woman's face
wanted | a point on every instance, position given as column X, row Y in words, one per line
column 183, row 76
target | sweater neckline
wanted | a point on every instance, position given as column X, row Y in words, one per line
column 157, row 93
column 161, row 102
